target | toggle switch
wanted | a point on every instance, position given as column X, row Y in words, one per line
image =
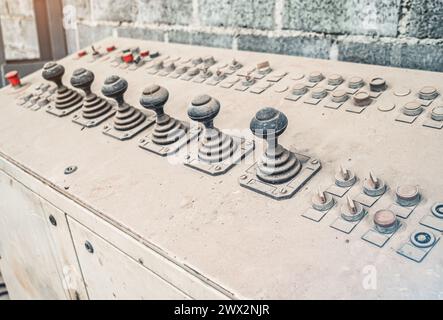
column 385, row 221
column 128, row 57
column 352, row 211
column 235, row 65
column 319, row 93
column 407, row 195
column 322, row 201
column 345, row 178
column 95, row 109
column 374, row 186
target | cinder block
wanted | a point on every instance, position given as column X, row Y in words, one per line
column 20, row 38
column 141, row 33
column 308, row 46
column 165, row 11
column 201, row 39
column 258, row 14
column 82, row 7
column 114, row 10
column 90, row 34
column 344, row 17
column 426, row 19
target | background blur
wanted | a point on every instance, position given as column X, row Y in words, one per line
column 402, row 33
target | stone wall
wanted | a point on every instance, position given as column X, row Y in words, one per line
column 401, row 33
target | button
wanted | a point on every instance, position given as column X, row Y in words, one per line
column 356, row 82
column 407, row 195
column 144, row 53
column 352, row 211
column 170, row 67
column 385, row 221
column 263, row 67
column 209, row 61
column 412, row 108
column 377, row 84
column 197, row 60
column 339, row 96
column 81, row 53
column 181, row 70
column 437, row 113
column 315, row 76
column 428, row 93
column 437, row 210
column 362, row 99
column 322, row 201
column 235, row 65
column 319, row 93
column 248, row 81
column 193, row 72
column 345, row 178
column 13, row 78
column 387, row 106
column 374, row 186
column 335, row 80
column 128, row 57
column 111, row 48
column 402, row 92
column 299, row 89
column 422, row 239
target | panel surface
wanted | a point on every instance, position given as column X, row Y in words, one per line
column 249, row 244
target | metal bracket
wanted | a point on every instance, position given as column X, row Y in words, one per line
column 50, row 108
column 126, row 135
column 165, row 150
column 89, row 123
column 244, row 148
column 282, row 191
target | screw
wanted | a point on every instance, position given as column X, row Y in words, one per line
column 70, row 169
column 52, row 220
column 217, row 168
column 314, row 161
column 89, row 247
column 283, row 191
column 243, row 177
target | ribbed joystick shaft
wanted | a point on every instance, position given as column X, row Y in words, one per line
column 65, row 97
column 93, row 106
column 277, row 164
column 167, row 130
column 127, row 116
column 215, row 146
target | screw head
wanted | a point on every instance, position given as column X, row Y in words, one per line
column 52, row 220
column 89, row 247
column 70, row 169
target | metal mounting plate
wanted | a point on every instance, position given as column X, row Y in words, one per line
column 50, row 108
column 214, row 169
column 316, row 215
column 89, row 123
column 165, row 150
column 432, row 222
column 377, row 238
column 126, row 135
column 345, row 226
column 282, row 191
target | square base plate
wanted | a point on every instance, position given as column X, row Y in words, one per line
column 165, row 150
column 214, row 169
column 126, row 135
column 50, row 108
column 432, row 222
column 285, row 190
column 408, row 250
column 377, row 238
column 89, row 123
column 402, row 212
column 345, row 226
column 316, row 215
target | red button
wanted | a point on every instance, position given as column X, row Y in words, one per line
column 144, row 53
column 82, row 53
column 128, row 58
column 13, row 78
column 110, row 48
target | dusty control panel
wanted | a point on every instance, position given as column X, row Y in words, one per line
column 274, row 175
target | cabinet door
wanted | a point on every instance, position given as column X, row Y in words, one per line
column 111, row 274
column 37, row 258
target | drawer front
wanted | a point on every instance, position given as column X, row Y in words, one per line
column 111, row 274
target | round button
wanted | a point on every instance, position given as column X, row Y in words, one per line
column 377, row 84
column 280, row 89
column 422, row 239
column 385, row 221
column 299, row 89
column 402, row 92
column 437, row 210
column 297, row 76
column 412, row 108
column 437, row 113
column 335, row 79
column 356, row 82
column 339, row 96
column 193, row 72
column 428, row 93
column 319, row 93
column 315, row 76
column 407, row 195
column 362, row 99
column 181, row 70
column 388, row 106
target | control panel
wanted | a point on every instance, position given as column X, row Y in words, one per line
column 272, row 176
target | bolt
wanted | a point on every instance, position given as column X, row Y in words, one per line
column 89, row 247
column 52, row 220
column 243, row 177
column 70, row 169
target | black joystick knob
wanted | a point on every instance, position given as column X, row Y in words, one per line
column 269, row 123
column 277, row 165
column 83, row 79
column 127, row 116
column 167, row 130
column 54, row 72
column 154, row 98
column 215, row 145
column 204, row 109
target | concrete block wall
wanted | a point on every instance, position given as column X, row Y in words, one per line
column 401, row 33
column 19, row 30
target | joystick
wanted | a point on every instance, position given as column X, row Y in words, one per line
column 66, row 100
column 169, row 134
column 128, row 120
column 95, row 109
